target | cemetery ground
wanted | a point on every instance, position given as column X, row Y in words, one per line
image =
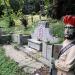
column 11, row 66
column 8, row 66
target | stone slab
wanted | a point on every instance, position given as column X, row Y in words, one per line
column 35, row 44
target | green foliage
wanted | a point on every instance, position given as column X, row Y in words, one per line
column 0, row 2
column 1, row 10
column 28, row 7
column 14, row 5
column 4, row 22
column 11, row 23
column 31, row 6
column 24, row 22
column 5, row 39
column 57, row 28
column 37, row 6
column 7, row 24
column 47, row 2
column 7, row 66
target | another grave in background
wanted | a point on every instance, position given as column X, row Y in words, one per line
column 20, row 38
column 4, row 38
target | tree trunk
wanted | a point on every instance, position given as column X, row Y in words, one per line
column 57, row 9
column 63, row 7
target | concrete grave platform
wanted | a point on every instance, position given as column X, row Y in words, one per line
column 26, row 62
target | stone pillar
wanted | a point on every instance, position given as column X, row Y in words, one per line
column 16, row 38
column 44, row 49
column 47, row 52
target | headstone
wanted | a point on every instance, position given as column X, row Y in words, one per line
column 42, row 32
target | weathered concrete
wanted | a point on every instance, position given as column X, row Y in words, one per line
column 35, row 55
column 20, row 38
column 29, row 59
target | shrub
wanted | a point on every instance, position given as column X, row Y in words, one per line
column 24, row 22
column 1, row 10
column 14, row 5
column 11, row 23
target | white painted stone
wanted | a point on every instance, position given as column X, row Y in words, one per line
column 49, row 55
column 16, row 38
column 47, row 52
column 44, row 48
column 34, row 44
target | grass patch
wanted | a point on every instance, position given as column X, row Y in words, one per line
column 7, row 66
column 57, row 28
